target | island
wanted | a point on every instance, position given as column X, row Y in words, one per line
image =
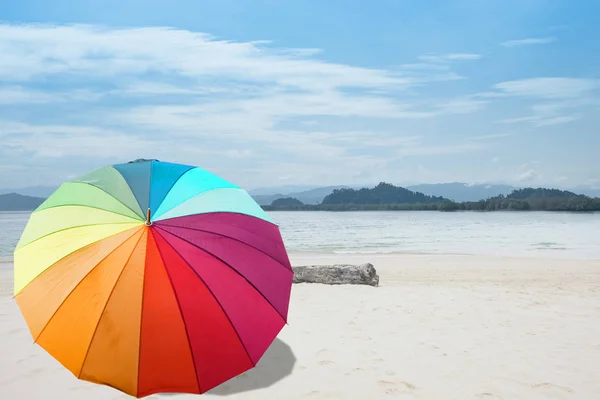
column 387, row 197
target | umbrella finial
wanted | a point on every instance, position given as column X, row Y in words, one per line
column 148, row 222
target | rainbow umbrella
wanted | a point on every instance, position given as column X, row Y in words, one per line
column 153, row 277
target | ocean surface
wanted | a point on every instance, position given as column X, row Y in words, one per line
column 545, row 234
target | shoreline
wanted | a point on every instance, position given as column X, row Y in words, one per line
column 363, row 254
column 347, row 257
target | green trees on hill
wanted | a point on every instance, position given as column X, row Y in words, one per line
column 389, row 197
column 287, row 202
column 384, row 193
column 540, row 199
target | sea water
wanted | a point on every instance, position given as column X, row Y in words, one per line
column 519, row 234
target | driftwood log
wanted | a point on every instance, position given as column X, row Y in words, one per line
column 338, row 274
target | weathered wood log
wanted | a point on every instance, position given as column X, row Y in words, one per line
column 338, row 274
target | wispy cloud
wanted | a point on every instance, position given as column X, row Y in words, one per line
column 435, row 67
column 491, row 136
column 431, row 150
column 460, row 105
column 528, row 41
column 565, row 119
column 444, row 58
column 549, row 88
column 31, row 51
column 80, row 96
column 548, row 114
column 24, row 95
column 184, row 96
column 555, row 111
column 529, row 176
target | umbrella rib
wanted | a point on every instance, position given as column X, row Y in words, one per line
column 137, row 380
column 87, row 352
column 187, row 333
column 85, row 206
column 231, row 267
column 73, row 227
column 229, row 237
column 172, row 186
column 135, row 197
column 132, row 210
column 78, row 283
column 215, row 298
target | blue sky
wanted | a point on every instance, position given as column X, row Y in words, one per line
column 274, row 92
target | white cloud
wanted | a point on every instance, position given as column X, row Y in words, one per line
column 559, row 100
column 430, row 150
column 144, row 62
column 56, row 141
column 491, row 136
column 565, row 119
column 529, row 176
column 30, row 51
column 549, row 88
column 444, row 58
column 19, row 95
column 528, row 118
column 22, row 95
column 528, row 41
column 541, row 120
column 462, row 105
column 188, row 97
column 553, row 113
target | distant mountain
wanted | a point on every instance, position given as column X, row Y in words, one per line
column 384, row 193
column 17, row 202
column 33, row 191
column 311, row 196
column 459, row 192
column 280, row 190
column 533, row 199
column 267, row 199
column 536, row 193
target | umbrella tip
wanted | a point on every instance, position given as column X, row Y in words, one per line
column 148, row 222
column 139, row 160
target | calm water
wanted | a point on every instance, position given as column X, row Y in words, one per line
column 561, row 235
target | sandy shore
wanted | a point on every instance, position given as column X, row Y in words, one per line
column 439, row 327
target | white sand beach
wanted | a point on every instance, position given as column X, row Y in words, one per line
column 438, row 327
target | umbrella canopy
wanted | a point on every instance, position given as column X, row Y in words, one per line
column 153, row 277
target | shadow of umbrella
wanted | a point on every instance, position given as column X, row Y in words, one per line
column 277, row 363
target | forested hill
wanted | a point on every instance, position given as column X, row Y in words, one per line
column 389, row 197
column 530, row 193
column 384, row 193
column 540, row 199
